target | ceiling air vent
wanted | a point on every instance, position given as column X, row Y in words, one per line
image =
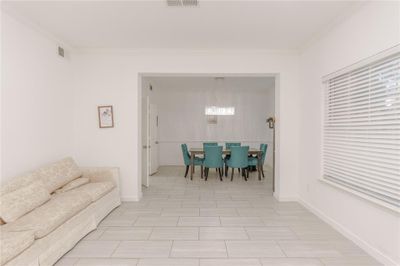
column 182, row 2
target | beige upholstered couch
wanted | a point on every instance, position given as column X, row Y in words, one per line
column 47, row 211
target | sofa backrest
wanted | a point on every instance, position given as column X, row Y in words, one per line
column 53, row 175
column 19, row 182
column 56, row 175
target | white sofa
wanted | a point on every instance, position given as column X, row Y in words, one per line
column 46, row 212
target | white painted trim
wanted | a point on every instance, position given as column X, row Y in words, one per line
column 372, row 251
column 277, row 88
column 276, row 195
column 132, row 198
column 287, row 199
column 284, row 199
column 366, row 197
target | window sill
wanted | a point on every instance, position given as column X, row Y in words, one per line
column 377, row 202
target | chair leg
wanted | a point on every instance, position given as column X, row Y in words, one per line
column 247, row 170
column 262, row 171
column 187, row 170
column 201, row 167
column 233, row 170
column 226, row 170
column 239, row 170
column 206, row 173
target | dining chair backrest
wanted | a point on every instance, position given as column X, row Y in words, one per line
column 209, row 144
column 239, row 157
column 213, row 157
column 263, row 149
column 185, row 153
column 228, row 145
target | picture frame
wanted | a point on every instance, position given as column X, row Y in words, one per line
column 106, row 116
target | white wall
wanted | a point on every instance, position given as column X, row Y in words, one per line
column 373, row 28
column 36, row 100
column 181, row 113
column 112, row 78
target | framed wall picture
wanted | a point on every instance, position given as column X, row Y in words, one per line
column 106, row 116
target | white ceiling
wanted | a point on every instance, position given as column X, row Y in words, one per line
column 282, row 25
column 204, row 83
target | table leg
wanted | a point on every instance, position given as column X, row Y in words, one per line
column 259, row 165
column 192, row 165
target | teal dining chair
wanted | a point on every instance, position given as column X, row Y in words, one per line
column 253, row 161
column 209, row 144
column 238, row 159
column 213, row 159
column 228, row 145
column 187, row 161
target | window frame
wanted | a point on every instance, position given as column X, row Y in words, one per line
column 325, row 79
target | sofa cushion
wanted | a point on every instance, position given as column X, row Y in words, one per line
column 73, row 184
column 21, row 201
column 96, row 190
column 13, row 243
column 18, row 182
column 58, row 174
column 52, row 214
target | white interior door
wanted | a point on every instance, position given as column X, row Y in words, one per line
column 153, row 126
column 145, row 141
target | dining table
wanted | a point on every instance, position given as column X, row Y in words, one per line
column 200, row 151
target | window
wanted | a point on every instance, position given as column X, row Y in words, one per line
column 361, row 143
column 217, row 110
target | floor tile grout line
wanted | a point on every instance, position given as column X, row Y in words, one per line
column 151, row 233
column 170, row 250
column 76, row 262
column 320, row 260
column 280, row 247
column 247, row 233
column 226, row 249
column 101, row 234
column 198, row 230
column 112, row 253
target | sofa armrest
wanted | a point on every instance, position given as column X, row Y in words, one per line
column 99, row 174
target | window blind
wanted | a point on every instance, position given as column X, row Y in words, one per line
column 361, row 134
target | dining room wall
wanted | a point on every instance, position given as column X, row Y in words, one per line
column 114, row 77
column 181, row 103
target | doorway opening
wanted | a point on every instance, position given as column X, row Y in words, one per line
column 192, row 109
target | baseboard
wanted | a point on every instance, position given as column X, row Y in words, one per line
column 132, row 198
column 372, row 251
column 284, row 199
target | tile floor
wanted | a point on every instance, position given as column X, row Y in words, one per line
column 213, row 223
